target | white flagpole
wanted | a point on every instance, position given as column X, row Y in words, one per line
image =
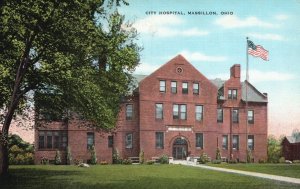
column 247, row 80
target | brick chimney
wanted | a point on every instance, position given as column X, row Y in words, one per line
column 235, row 71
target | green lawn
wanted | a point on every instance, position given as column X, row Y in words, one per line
column 131, row 176
column 288, row 170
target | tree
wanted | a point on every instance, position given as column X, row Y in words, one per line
column 75, row 49
column 274, row 149
column 218, row 154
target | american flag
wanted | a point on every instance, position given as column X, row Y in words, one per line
column 258, row 51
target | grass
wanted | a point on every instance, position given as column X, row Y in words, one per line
column 131, row 176
column 288, row 170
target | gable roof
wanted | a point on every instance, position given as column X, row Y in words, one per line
column 253, row 94
column 293, row 139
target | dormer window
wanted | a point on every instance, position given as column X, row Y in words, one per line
column 232, row 94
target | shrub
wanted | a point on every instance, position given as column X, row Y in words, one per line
column 296, row 161
column 163, row 159
column 142, row 157
column 116, row 157
column 232, row 161
column 150, row 162
column 19, row 159
column 57, row 158
column 249, row 156
column 262, row 161
column 203, row 158
column 103, row 162
column 127, row 162
column 218, row 154
column 69, row 156
column 217, row 161
column 93, row 156
column 28, row 159
column 44, row 161
column 77, row 161
column 282, row 160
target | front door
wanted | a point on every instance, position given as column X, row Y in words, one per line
column 180, row 148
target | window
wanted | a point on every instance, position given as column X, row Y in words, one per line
column 235, row 142
column 41, row 139
column 175, row 111
column 225, row 142
column 52, row 139
column 90, row 140
column 162, row 86
column 159, row 111
column 232, row 94
column 174, row 87
column 159, row 140
column 179, row 111
column 195, row 88
column 235, row 116
column 251, row 116
column 251, row 142
column 185, row 88
column 129, row 111
column 110, row 141
column 49, row 139
column 220, row 115
column 199, row 140
column 199, row 112
column 183, row 111
column 128, row 140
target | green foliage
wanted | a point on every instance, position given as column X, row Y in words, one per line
column 44, row 161
column 142, row 157
column 20, row 152
column 232, row 161
column 281, row 160
column 203, row 158
column 69, row 156
column 218, row 154
column 274, row 149
column 217, row 161
column 116, row 157
column 163, row 159
column 262, row 161
column 296, row 161
column 150, row 162
column 93, row 156
column 57, row 158
column 126, row 162
column 249, row 156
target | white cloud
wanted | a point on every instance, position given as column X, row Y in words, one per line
column 232, row 21
column 267, row 36
column 281, row 17
column 256, row 76
column 165, row 26
column 146, row 68
column 197, row 56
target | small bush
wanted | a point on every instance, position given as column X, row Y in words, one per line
column 69, row 156
column 142, row 157
column 249, row 156
column 232, row 161
column 93, row 156
column 216, row 161
column 203, row 158
column 57, row 158
column 164, row 159
column 127, row 162
column 150, row 162
column 44, row 161
column 77, row 161
column 103, row 162
column 218, row 154
column 28, row 159
column 116, row 157
column 262, row 161
column 282, row 160
column 296, row 161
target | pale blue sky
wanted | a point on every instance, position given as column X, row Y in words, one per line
column 213, row 43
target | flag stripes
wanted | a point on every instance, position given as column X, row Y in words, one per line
column 258, row 51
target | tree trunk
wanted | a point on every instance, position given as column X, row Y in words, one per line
column 3, row 159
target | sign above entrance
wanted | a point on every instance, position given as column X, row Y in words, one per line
column 179, row 128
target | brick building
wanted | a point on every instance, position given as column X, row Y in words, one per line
column 176, row 111
column 291, row 147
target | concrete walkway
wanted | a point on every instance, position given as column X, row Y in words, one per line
column 254, row 174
